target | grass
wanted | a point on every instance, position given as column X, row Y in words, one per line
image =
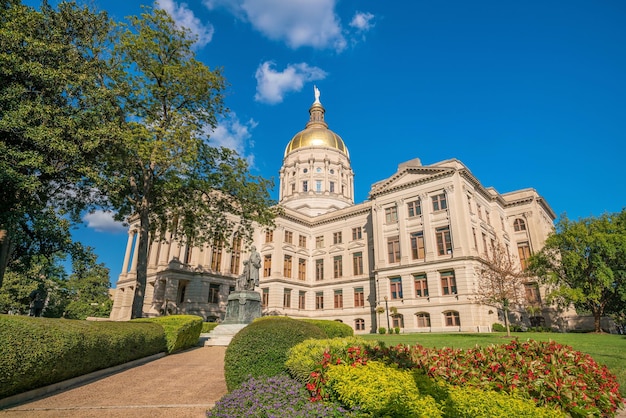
column 607, row 349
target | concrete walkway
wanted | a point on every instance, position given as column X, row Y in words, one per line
column 184, row 384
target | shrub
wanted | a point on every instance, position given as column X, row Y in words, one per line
column 208, row 327
column 333, row 329
column 379, row 390
column 260, row 349
column 397, row 330
column 497, row 327
column 382, row 330
column 181, row 331
column 272, row 397
column 36, row 352
column 305, row 357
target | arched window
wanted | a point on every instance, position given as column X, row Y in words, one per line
column 423, row 319
column 452, row 319
column 519, row 225
column 359, row 324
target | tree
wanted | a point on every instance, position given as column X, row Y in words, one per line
column 56, row 118
column 88, row 288
column 584, row 262
column 164, row 173
column 500, row 281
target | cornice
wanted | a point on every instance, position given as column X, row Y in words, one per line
column 434, row 173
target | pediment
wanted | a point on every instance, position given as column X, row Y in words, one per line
column 335, row 249
column 356, row 244
column 409, row 176
column 318, row 253
column 289, row 247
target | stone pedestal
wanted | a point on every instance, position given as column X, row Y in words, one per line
column 244, row 306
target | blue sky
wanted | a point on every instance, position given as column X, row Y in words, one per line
column 526, row 94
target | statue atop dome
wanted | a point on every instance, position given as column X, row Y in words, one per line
column 317, row 94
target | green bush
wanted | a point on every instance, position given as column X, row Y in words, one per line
column 497, row 327
column 382, row 330
column 181, row 331
column 260, row 349
column 397, row 330
column 303, row 358
column 208, row 327
column 379, row 390
column 332, row 329
column 36, row 352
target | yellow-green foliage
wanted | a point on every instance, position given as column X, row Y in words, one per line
column 465, row 402
column 181, row 331
column 303, row 358
column 36, row 352
column 333, row 329
column 379, row 390
column 208, row 327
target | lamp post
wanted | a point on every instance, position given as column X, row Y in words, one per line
column 387, row 313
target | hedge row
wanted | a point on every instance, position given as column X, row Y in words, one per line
column 181, row 331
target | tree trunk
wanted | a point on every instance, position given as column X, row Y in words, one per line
column 142, row 264
column 506, row 321
column 5, row 251
column 597, row 316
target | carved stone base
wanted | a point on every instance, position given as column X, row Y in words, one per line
column 244, row 306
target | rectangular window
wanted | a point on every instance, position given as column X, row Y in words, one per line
column 331, row 186
column 302, row 241
column 319, row 242
column 289, row 237
column 302, row 300
column 267, row 265
column 287, row 298
column 423, row 320
column 452, row 319
column 357, row 264
column 287, row 266
column 359, row 297
column 216, row 257
column 338, row 299
column 523, row 250
column 337, row 237
column 357, row 233
column 391, row 214
column 305, row 186
column 269, row 236
column 337, row 266
column 265, row 298
column 532, row 293
column 293, row 187
column 444, row 240
column 439, row 202
column 214, row 293
column 319, row 269
column 475, row 239
column 301, row 269
column 484, row 236
column 359, row 324
column 417, row 245
column 235, row 257
column 421, row 286
column 395, row 287
column 448, row 283
column 393, row 249
column 479, row 209
column 318, row 186
column 319, row 300
column 414, row 208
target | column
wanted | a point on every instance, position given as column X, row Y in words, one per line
column 129, row 245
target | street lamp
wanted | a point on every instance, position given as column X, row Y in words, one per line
column 387, row 310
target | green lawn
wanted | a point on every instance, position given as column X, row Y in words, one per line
column 606, row 349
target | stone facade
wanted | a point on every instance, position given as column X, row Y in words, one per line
column 412, row 248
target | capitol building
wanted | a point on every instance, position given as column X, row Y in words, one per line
column 407, row 257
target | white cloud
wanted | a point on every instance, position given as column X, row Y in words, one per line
column 362, row 22
column 102, row 221
column 185, row 18
column 298, row 23
column 233, row 134
column 272, row 85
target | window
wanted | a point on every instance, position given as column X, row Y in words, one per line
column 287, row 266
column 414, row 208
column 318, row 186
column 265, row 298
column 439, row 202
column 301, row 269
column 305, row 186
column 287, row 298
column 267, row 265
column 398, row 321
column 337, row 266
column 452, row 319
column 421, row 286
column 216, row 257
column 444, row 240
column 485, row 244
column 391, row 214
column 475, row 239
column 393, row 249
column 235, row 257
column 319, row 269
column 338, row 299
column 395, row 288
column 417, row 245
column 331, row 186
column 448, row 283
column 319, row 242
column 423, row 320
column 359, row 324
column 357, row 233
column 302, row 241
column 502, row 222
column 359, row 297
column 302, row 300
column 187, row 256
column 532, row 293
column 488, row 216
column 269, row 236
column 523, row 250
column 479, row 209
column 519, row 225
column 214, row 293
column 337, row 237
column 293, row 187
column 357, row 264
column 289, row 237
column 319, row 300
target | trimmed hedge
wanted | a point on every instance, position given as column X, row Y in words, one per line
column 333, row 329
column 181, row 331
column 208, row 327
column 260, row 349
column 36, row 352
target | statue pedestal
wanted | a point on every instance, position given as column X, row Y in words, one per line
column 244, row 306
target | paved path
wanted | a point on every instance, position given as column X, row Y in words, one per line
column 183, row 385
